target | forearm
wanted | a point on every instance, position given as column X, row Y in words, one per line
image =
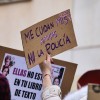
column 47, row 81
column 50, row 92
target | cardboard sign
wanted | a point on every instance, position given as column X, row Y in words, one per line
column 26, row 84
column 94, row 92
column 53, row 35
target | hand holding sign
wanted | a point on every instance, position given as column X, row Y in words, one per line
column 46, row 72
column 46, row 65
column 54, row 35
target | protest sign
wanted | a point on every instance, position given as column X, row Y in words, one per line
column 26, row 84
column 94, row 92
column 53, row 35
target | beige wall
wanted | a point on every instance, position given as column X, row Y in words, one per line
column 86, row 20
column 18, row 16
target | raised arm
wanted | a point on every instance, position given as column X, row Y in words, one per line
column 50, row 92
column 46, row 71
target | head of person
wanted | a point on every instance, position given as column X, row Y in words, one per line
column 5, row 71
column 56, row 81
column 7, row 60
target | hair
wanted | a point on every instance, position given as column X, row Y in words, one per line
column 7, row 57
column 5, row 93
column 61, row 73
column 55, row 79
column 5, row 68
column 11, row 61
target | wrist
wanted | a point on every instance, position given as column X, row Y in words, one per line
column 46, row 75
column 46, row 72
column 46, row 80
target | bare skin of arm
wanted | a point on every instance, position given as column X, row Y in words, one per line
column 46, row 71
column 47, row 84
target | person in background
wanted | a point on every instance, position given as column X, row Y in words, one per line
column 50, row 92
column 5, row 93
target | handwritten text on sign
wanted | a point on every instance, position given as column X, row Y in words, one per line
column 54, row 35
